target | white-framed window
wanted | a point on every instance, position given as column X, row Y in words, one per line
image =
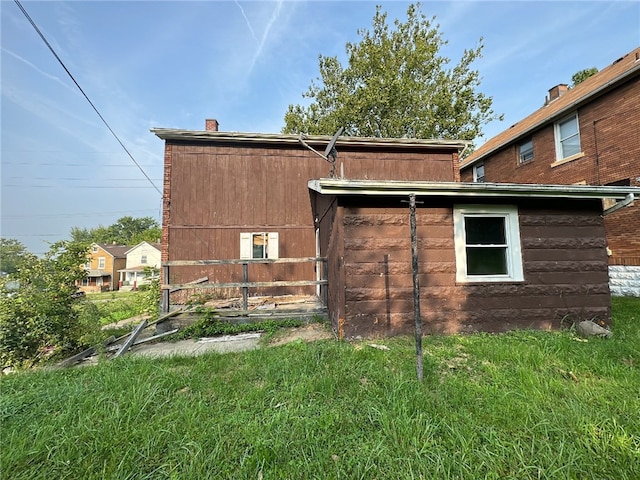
column 101, row 263
column 259, row 245
column 94, row 249
column 487, row 243
column 143, row 259
column 478, row 172
column 567, row 136
column 525, row 151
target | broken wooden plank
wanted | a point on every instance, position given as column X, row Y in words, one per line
column 84, row 354
column 155, row 337
column 132, row 338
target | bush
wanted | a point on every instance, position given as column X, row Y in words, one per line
column 40, row 318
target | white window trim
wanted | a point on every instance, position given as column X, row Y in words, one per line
column 522, row 161
column 246, row 245
column 102, row 261
column 512, row 234
column 556, row 134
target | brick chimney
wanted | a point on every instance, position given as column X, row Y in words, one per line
column 557, row 92
column 211, row 125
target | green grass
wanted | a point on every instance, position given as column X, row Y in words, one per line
column 115, row 306
column 520, row 405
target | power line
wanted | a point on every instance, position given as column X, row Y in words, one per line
column 79, row 214
column 33, row 24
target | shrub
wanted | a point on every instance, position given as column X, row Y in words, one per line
column 40, row 318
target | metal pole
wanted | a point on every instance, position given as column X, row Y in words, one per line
column 165, row 292
column 416, row 286
column 245, row 289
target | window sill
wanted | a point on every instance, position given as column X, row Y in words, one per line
column 487, row 281
column 557, row 163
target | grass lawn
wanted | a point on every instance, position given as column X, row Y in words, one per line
column 520, row 405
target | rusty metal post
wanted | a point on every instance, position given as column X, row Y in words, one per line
column 245, row 289
column 416, row 285
column 165, row 291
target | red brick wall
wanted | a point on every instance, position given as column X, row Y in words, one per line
column 609, row 133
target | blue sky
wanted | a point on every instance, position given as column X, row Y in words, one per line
column 174, row 63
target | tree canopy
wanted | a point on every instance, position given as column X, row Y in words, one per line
column 396, row 84
column 582, row 75
column 12, row 254
column 126, row 231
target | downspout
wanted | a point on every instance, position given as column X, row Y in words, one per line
column 621, row 204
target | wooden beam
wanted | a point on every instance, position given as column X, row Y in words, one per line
column 132, row 338
column 283, row 283
column 176, row 263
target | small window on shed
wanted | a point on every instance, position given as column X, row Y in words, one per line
column 487, row 244
column 256, row 245
column 525, row 151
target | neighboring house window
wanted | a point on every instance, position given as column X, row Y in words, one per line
column 87, row 265
column 567, row 136
column 478, row 173
column 143, row 259
column 525, row 151
column 487, row 244
column 101, row 263
column 94, row 249
column 259, row 245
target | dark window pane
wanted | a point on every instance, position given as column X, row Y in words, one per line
column 486, row 261
column 485, row 230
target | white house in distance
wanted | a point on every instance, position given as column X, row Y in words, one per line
column 142, row 256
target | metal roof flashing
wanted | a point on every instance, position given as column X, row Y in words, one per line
column 333, row 186
column 284, row 139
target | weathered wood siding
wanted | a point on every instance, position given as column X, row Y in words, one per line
column 213, row 192
column 564, row 260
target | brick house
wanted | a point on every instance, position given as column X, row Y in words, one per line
column 589, row 135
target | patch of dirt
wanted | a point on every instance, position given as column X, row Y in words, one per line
column 308, row 333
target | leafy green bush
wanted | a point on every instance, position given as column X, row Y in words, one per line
column 39, row 318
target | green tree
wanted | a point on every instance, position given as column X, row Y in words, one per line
column 40, row 317
column 12, row 253
column 582, row 75
column 396, row 84
column 126, row 231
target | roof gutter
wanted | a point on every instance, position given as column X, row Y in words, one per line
column 330, row 186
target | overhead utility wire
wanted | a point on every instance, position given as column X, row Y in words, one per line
column 33, row 24
column 208, row 246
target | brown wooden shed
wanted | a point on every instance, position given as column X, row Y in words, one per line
column 492, row 257
column 233, row 197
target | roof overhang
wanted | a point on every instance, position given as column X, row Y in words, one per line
column 280, row 139
column 333, row 186
column 97, row 273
